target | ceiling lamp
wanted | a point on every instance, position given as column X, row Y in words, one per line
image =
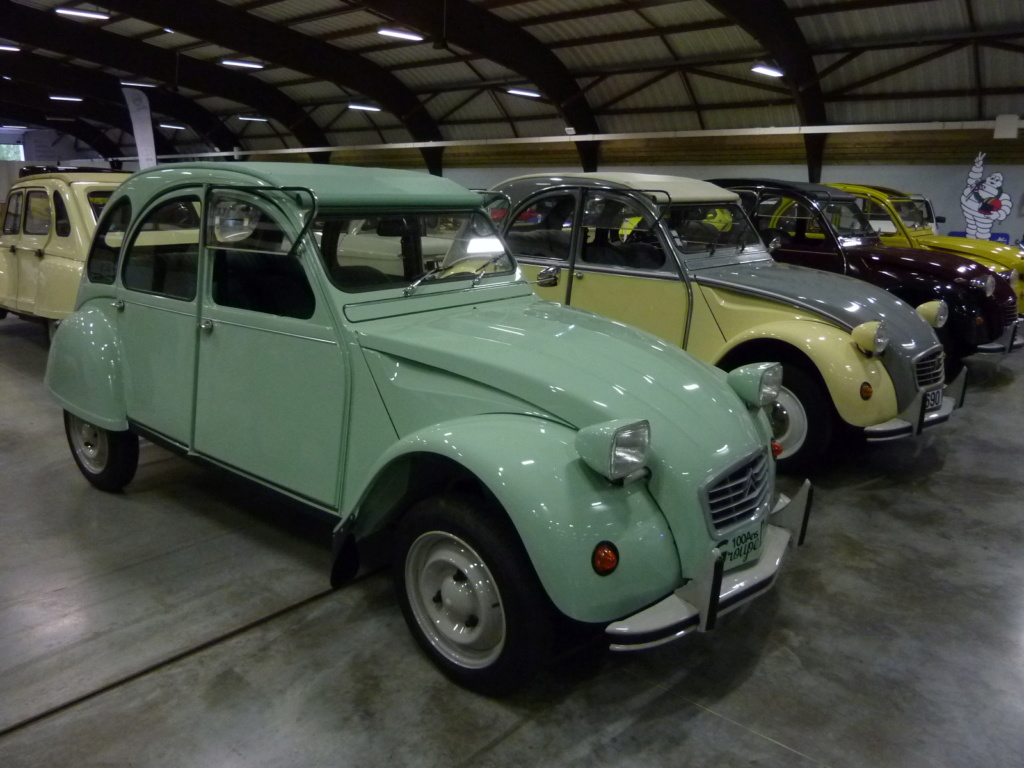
column 9, row 48
column 64, row 98
column 83, row 14
column 241, row 64
column 521, row 92
column 401, row 34
column 130, row 84
column 767, row 68
column 364, row 107
column 172, row 127
column 253, row 119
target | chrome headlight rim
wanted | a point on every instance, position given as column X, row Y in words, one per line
column 872, row 337
column 986, row 284
column 935, row 312
column 617, row 449
column 757, row 384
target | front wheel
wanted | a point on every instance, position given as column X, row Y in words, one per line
column 469, row 594
column 107, row 459
column 802, row 420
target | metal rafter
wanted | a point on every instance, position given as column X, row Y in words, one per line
column 100, row 86
column 473, row 29
column 80, row 130
column 82, row 41
column 249, row 34
column 890, row 71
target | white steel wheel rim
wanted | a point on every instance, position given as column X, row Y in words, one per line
column 455, row 600
column 90, row 444
column 789, row 422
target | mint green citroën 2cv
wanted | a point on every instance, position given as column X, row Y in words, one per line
column 361, row 340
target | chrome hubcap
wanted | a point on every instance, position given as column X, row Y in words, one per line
column 789, row 422
column 455, row 600
column 90, row 445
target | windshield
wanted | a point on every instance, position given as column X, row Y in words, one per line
column 398, row 249
column 707, row 229
column 915, row 213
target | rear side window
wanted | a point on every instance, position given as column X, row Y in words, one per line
column 12, row 219
column 61, row 222
column 163, row 256
column 37, row 213
column 97, row 199
column 106, row 245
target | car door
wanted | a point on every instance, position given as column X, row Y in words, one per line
column 271, row 383
column 159, row 305
column 9, row 241
column 798, row 232
column 622, row 269
column 30, row 250
column 539, row 234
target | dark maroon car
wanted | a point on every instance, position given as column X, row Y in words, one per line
column 817, row 226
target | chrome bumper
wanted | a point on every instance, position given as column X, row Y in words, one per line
column 1012, row 338
column 696, row 606
column 915, row 419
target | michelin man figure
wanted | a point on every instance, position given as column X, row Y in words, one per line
column 983, row 200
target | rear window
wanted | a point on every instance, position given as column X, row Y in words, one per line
column 97, row 200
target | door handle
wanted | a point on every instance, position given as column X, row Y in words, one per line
column 39, row 253
column 118, row 305
column 206, row 325
column 577, row 275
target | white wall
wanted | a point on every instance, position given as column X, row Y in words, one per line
column 941, row 183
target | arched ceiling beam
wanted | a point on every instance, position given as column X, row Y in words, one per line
column 267, row 41
column 39, row 99
column 79, row 129
column 80, row 40
column 469, row 27
column 93, row 84
column 772, row 24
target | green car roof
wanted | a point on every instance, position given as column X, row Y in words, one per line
column 336, row 186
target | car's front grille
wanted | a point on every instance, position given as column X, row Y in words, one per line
column 930, row 370
column 739, row 494
column 1010, row 314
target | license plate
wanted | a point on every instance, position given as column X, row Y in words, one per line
column 743, row 547
column 933, row 399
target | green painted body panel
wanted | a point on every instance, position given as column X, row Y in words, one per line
column 562, row 510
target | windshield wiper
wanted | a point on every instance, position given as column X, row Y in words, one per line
column 479, row 271
column 425, row 276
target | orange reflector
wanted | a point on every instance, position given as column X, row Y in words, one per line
column 866, row 391
column 605, row 558
column 776, row 449
column 979, row 321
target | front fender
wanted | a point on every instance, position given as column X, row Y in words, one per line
column 560, row 507
column 83, row 371
column 831, row 350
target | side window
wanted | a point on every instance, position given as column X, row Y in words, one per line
column 619, row 233
column 37, row 213
column 61, row 222
column 543, row 228
column 163, row 255
column 97, row 199
column 106, row 244
column 878, row 216
column 12, row 219
column 783, row 217
column 252, row 267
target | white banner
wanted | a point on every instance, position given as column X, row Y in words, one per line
column 142, row 126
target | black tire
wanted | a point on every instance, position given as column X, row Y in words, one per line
column 107, row 459
column 488, row 629
column 803, row 402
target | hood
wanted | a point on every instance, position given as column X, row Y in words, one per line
column 945, row 267
column 1009, row 256
column 564, row 363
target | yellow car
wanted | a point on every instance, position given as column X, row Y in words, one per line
column 678, row 258
column 908, row 220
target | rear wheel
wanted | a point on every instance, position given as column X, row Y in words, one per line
column 802, row 420
column 469, row 593
column 107, row 459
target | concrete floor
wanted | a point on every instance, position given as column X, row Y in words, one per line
column 187, row 623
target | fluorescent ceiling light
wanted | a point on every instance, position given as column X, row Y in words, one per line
column 138, row 85
column 252, row 119
column 521, row 92
column 13, row 128
column 172, row 127
column 364, row 107
column 767, row 69
column 242, row 64
column 65, row 98
column 83, row 14
column 401, row 34
column 10, row 48
column 168, row 30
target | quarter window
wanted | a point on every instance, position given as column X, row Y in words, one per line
column 37, row 213
column 12, row 219
column 163, row 255
column 62, row 224
column 253, row 268
column 106, row 245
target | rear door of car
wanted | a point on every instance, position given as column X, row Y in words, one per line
column 798, row 232
column 9, row 240
column 30, row 250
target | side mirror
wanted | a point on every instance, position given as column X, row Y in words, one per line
column 940, row 219
column 548, row 277
column 775, row 242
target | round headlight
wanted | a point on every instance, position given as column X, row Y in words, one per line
column 935, row 312
column 757, row 384
column 616, row 449
column 986, row 283
column 1013, row 277
column 881, row 338
column 871, row 337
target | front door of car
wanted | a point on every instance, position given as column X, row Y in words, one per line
column 622, row 269
column 158, row 302
column 798, row 233
column 9, row 240
column 271, row 385
column 539, row 233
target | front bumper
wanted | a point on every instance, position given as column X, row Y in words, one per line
column 1012, row 338
column 915, row 419
column 696, row 605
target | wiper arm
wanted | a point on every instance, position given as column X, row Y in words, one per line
column 425, row 276
column 479, row 271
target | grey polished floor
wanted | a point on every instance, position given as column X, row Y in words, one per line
column 187, row 623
